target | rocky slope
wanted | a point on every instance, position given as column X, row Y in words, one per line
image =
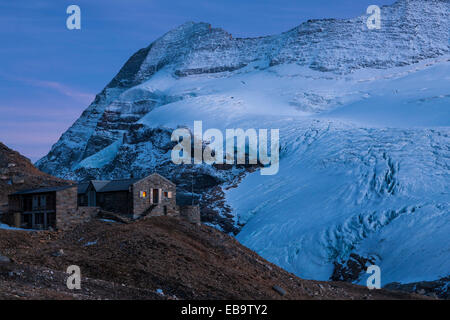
column 17, row 172
column 158, row 258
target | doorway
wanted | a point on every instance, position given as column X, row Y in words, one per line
column 91, row 198
column 155, row 196
column 27, row 221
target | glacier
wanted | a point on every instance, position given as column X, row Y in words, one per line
column 364, row 119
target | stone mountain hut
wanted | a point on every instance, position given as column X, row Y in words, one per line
column 64, row 206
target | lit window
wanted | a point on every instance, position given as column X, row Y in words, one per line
column 143, row 194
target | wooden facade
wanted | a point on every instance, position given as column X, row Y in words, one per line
column 38, row 208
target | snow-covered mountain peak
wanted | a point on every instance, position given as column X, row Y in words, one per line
column 411, row 30
column 363, row 117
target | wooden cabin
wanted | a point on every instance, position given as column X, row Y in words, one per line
column 42, row 208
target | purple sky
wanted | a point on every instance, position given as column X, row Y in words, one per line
column 49, row 75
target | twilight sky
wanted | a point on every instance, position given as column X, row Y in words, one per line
column 49, row 74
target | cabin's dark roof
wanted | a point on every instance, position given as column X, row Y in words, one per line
column 118, row 185
column 107, row 185
column 112, row 185
column 99, row 184
column 44, row 190
column 82, row 186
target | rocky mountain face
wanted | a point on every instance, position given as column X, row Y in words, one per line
column 363, row 118
column 110, row 141
column 415, row 30
column 17, row 172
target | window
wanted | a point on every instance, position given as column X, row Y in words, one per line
column 143, row 194
column 28, row 204
column 35, row 202
column 51, row 220
column 39, row 218
column 168, row 194
column 43, row 202
column 27, row 221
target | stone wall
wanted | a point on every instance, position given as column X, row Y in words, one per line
column 145, row 206
column 8, row 218
column 67, row 213
column 10, row 212
column 191, row 213
column 14, row 203
column 88, row 211
column 12, row 215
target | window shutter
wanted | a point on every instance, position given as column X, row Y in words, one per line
column 159, row 195
column 151, row 195
column 169, row 195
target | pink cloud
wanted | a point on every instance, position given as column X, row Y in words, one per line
column 83, row 97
